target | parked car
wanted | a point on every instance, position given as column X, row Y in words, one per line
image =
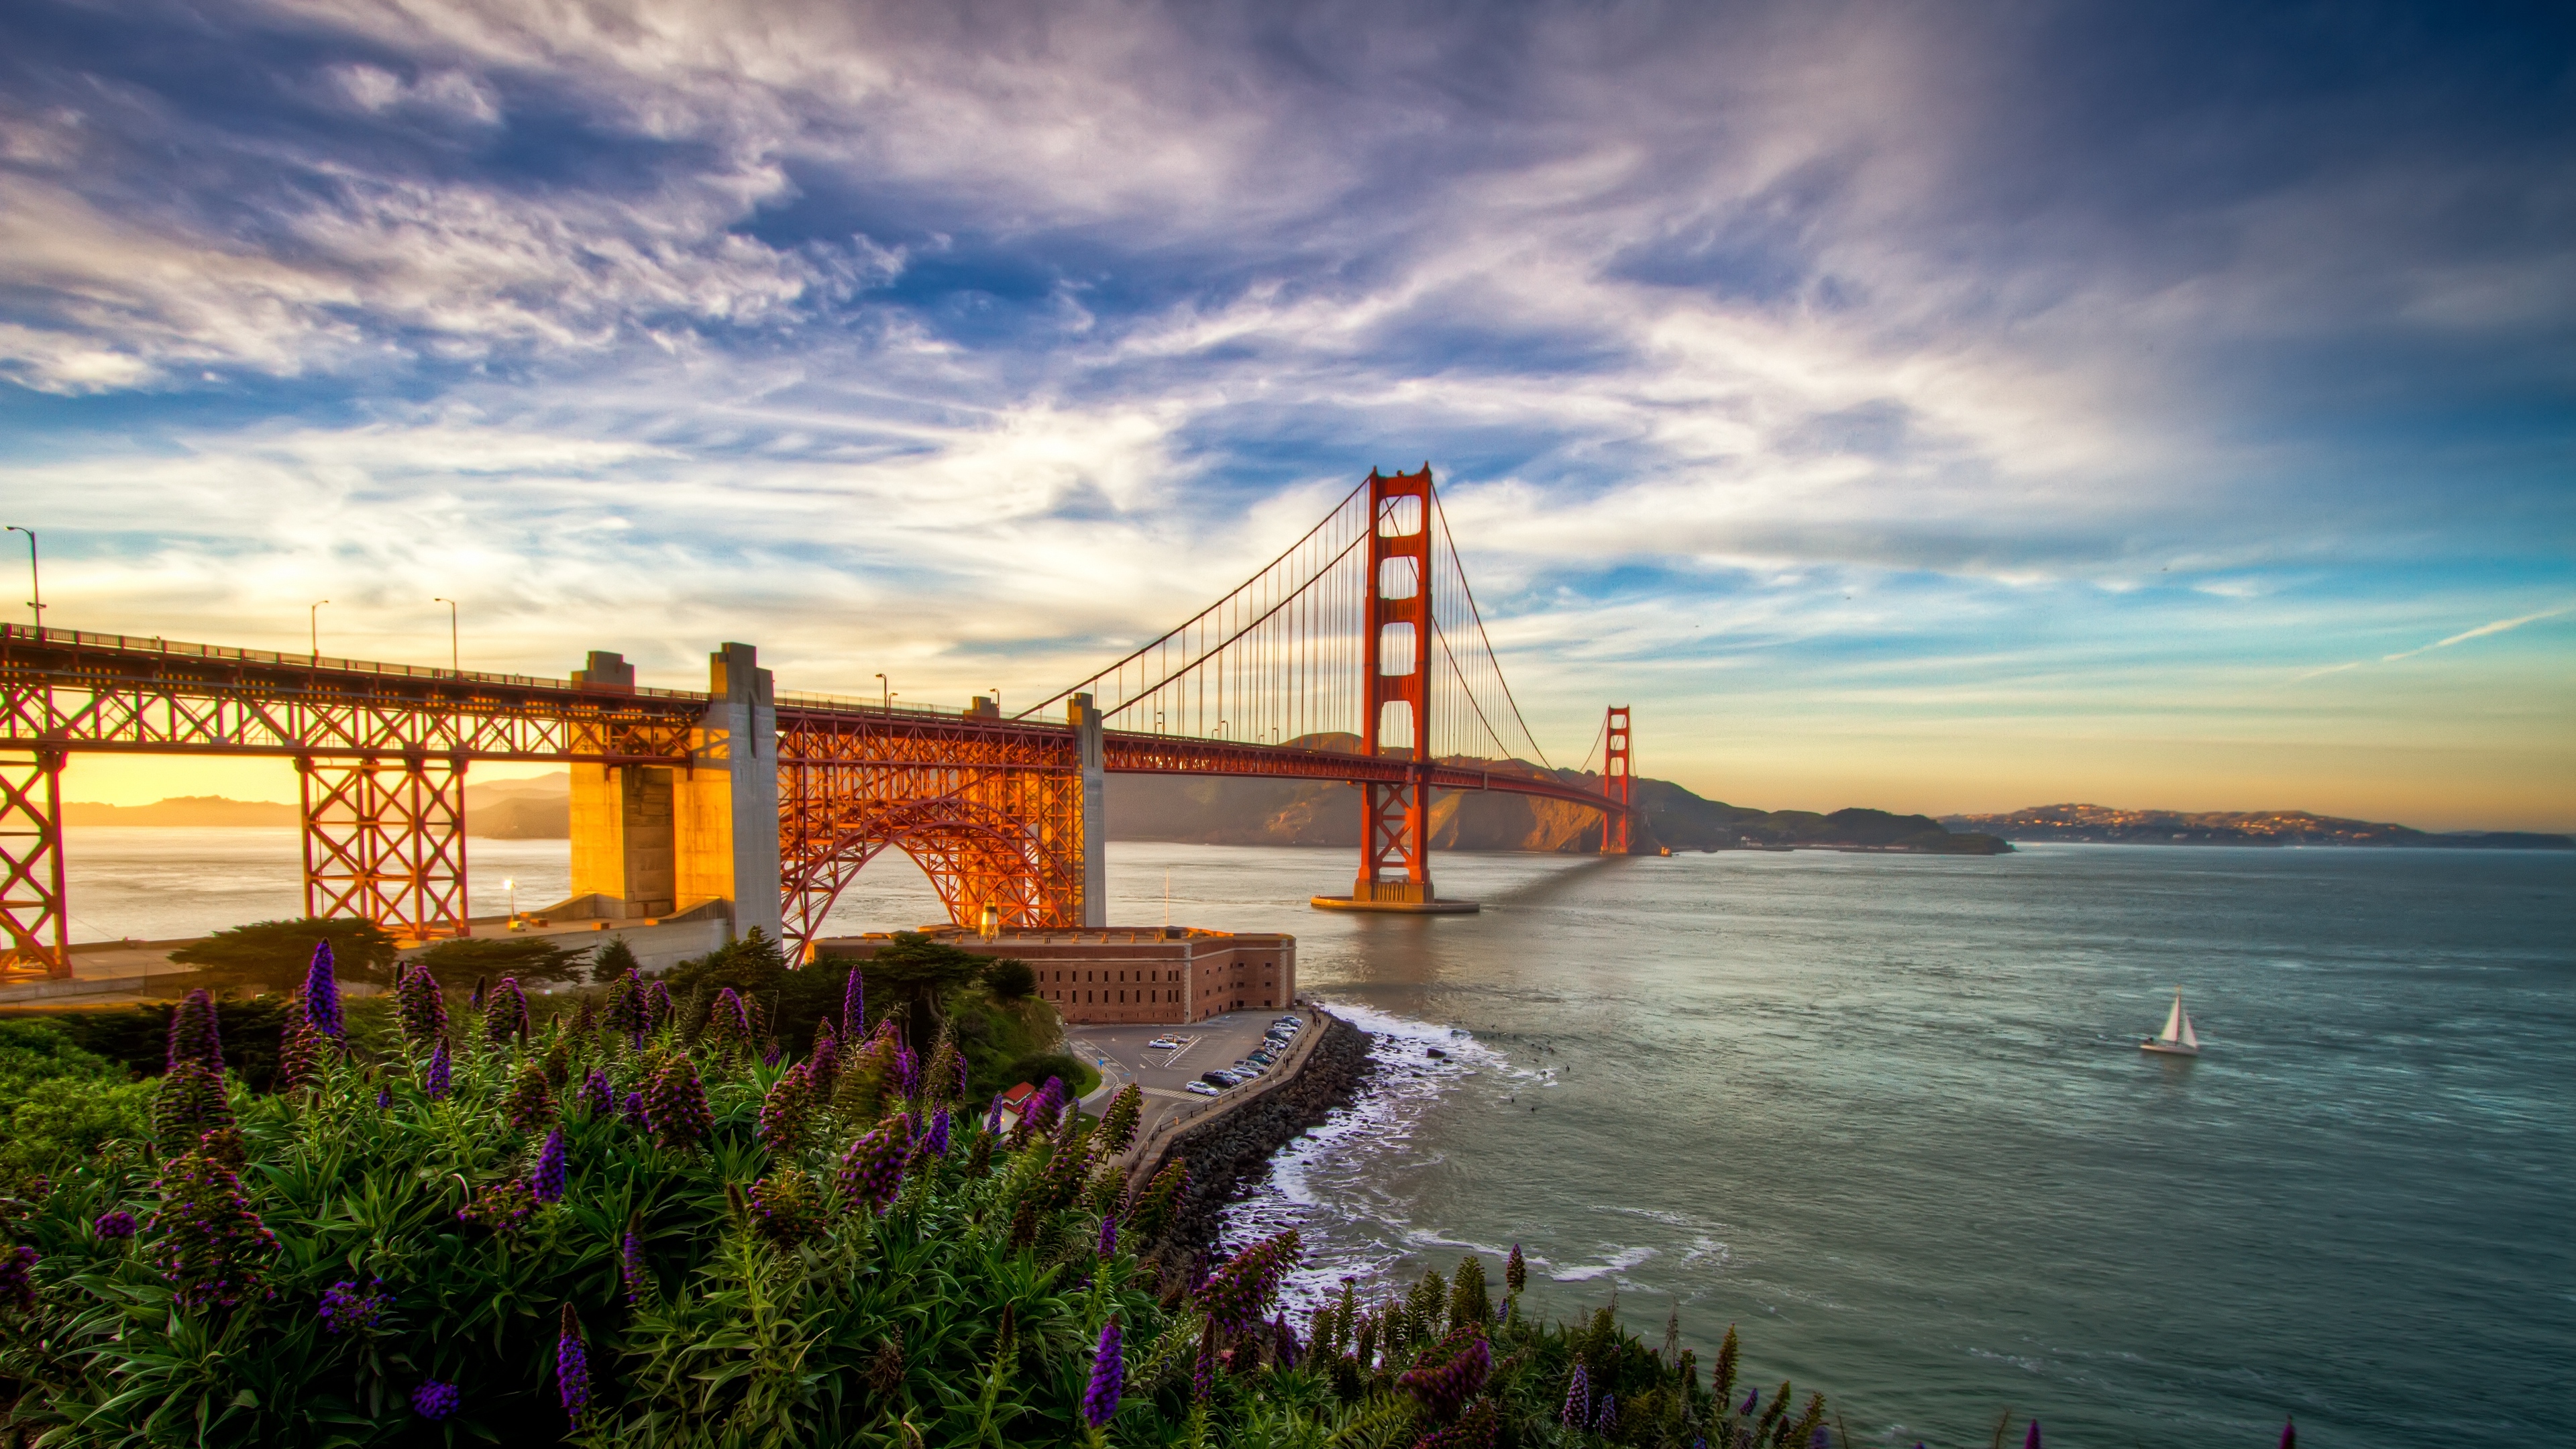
column 1219, row 1078
column 1265, row 1058
column 1165, row 1044
column 1202, row 1088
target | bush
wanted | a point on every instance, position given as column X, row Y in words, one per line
column 753, row 1265
column 613, row 960
column 60, row 1104
column 136, row 1038
column 273, row 955
column 1010, row 978
column 534, row 960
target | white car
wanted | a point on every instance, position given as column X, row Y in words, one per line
column 1202, row 1088
column 1165, row 1044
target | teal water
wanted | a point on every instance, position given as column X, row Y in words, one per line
column 1887, row 1113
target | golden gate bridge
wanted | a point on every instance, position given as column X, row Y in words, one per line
column 1357, row 655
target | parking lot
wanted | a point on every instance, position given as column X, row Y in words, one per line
column 1219, row 1041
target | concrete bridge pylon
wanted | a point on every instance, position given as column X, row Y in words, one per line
column 656, row 841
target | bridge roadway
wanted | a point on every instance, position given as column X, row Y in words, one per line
column 1004, row 815
column 63, row 689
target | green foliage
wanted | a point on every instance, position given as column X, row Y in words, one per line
column 273, row 955
column 533, row 960
column 137, row 1037
column 613, row 960
column 60, row 1104
column 1010, row 978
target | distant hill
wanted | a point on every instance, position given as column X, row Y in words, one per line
column 2105, row 823
column 537, row 809
column 1232, row 811
column 182, row 811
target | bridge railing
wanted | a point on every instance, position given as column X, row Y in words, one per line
column 180, row 649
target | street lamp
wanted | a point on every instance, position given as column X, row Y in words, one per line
column 452, row 666
column 313, row 621
column 992, row 920
column 887, row 705
column 35, row 583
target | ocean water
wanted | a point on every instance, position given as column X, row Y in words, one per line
column 1887, row 1113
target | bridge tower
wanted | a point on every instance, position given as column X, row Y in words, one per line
column 1395, row 823
column 1395, row 864
column 1618, row 781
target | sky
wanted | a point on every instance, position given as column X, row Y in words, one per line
column 1944, row 407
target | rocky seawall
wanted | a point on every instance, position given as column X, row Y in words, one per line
column 1229, row 1152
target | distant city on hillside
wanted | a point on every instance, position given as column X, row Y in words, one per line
column 2105, row 823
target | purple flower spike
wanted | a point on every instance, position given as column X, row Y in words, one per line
column 1108, row 1236
column 2031, row 1439
column 384, row 1098
column 438, row 1073
column 1608, row 1413
column 597, row 1100
column 114, row 1224
column 630, row 1263
column 1578, row 1399
column 993, row 1116
column 2289, row 1434
column 1823, row 1438
column 434, row 1400
column 1752, row 1399
column 193, row 1033
column 546, row 1184
column 572, row 1367
column 907, row 1073
column 322, row 993
column 632, row 1109
column 854, row 1006
column 937, row 1140
column 1108, row 1379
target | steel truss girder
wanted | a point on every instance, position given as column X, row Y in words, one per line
column 1001, row 837
column 386, row 841
column 32, row 908
column 74, row 691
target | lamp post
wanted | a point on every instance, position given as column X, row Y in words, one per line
column 992, row 922
column 35, row 581
column 887, row 705
column 452, row 666
column 313, row 622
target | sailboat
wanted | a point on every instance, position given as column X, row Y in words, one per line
column 2177, row 1039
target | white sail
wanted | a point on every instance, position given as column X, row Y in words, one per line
column 2188, row 1039
column 2175, row 1026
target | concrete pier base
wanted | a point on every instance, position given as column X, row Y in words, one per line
column 1397, row 908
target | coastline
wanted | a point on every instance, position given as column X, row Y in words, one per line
column 1228, row 1150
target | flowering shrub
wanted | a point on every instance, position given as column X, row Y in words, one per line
column 205, row 1239
column 727, row 1256
column 345, row 1309
column 420, row 1007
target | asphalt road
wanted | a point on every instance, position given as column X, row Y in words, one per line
column 1219, row 1041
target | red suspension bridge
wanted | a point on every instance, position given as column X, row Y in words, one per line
column 763, row 806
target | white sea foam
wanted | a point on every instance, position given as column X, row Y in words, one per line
column 1328, row 1183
